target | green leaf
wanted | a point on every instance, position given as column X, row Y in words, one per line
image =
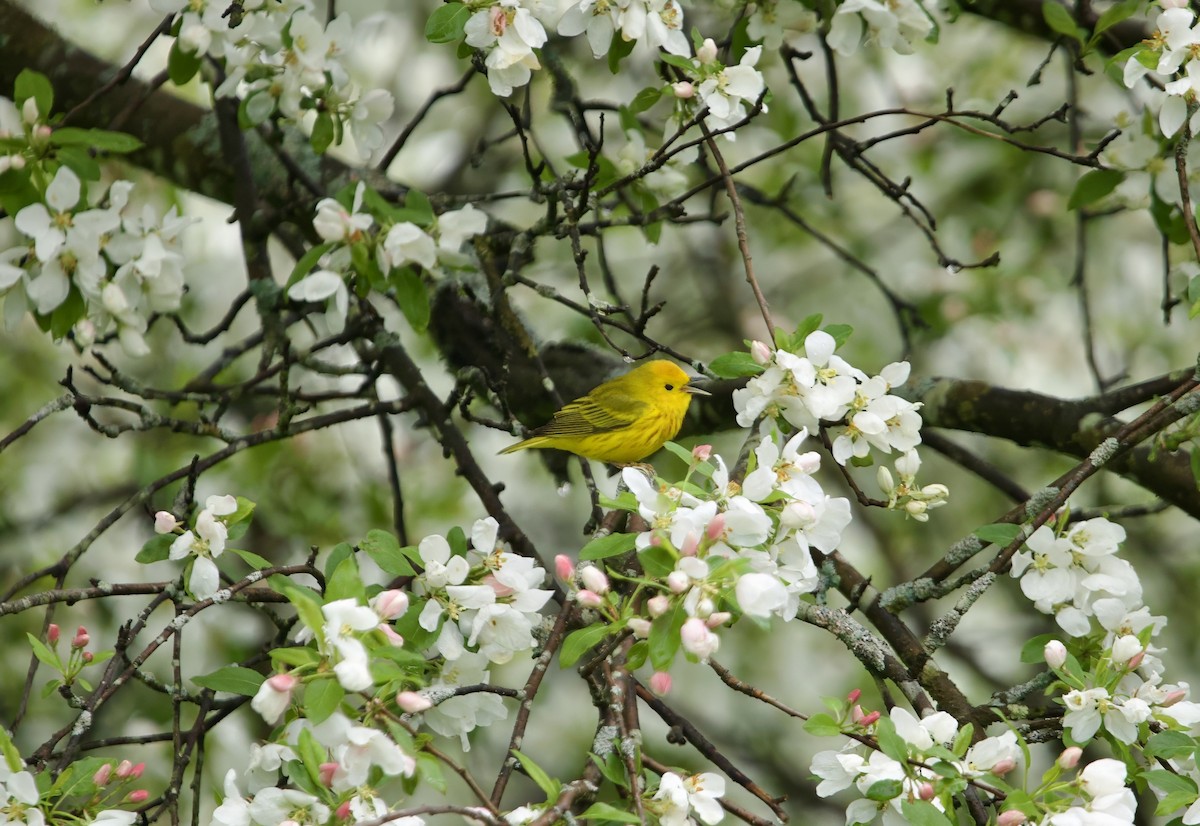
column 43, row 652
column 735, row 365
column 538, row 775
column 607, row 813
column 252, row 559
column 664, row 637
column 308, row 261
column 295, row 656
column 65, row 315
column 429, row 769
column 17, row 190
column 656, row 561
column 80, row 162
column 1093, row 186
column 384, row 549
column 322, row 133
column 822, row 725
column 412, row 297
column 613, row 544
column 337, row 555
column 345, row 582
column 1170, row 782
column 182, row 65
column 312, row 754
column 1114, row 15
column 1170, row 745
column 921, row 813
column 646, row 98
column 321, row 698
column 891, row 743
column 98, row 139
column 612, row 768
column 841, row 333
column 306, row 603
column 156, row 549
column 419, row 208
column 232, row 678
column 1000, row 533
column 580, row 642
column 447, row 23
column 31, row 84
column 619, row 49
column 637, row 655
column 882, row 790
column 1060, row 20
column 9, row 751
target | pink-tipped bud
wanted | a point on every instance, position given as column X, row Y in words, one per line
column 854, row 695
column 707, row 52
column 81, row 638
column 390, row 604
column 413, row 703
column 760, row 352
column 564, row 568
column 390, row 633
column 684, row 89
column 52, row 634
column 124, row 769
column 343, row 811
column 165, row 522
column 870, row 719
column 103, row 775
column 691, row 544
column 498, row 587
column 657, row 606
column 716, row 527
column 588, row 599
column 1055, row 653
column 1013, row 817
column 326, row 773
column 698, row 640
column 926, row 791
column 660, row 683
column 678, row 582
column 1125, row 648
column 857, row 715
column 705, row 608
column 138, row 796
column 1004, row 766
column 1174, row 4
column 594, row 579
column 640, row 627
column 702, row 452
column 137, row 771
column 718, row 618
column 1136, row 659
column 88, row 656
column 43, row 132
column 1069, row 758
column 1173, row 697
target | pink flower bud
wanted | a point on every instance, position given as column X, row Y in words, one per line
column 594, row 579
column 43, row 132
column 854, row 695
column 678, row 582
column 413, row 703
column 137, row 770
column 88, row 656
column 797, row 515
column 857, row 715
column 684, row 89
column 707, row 52
column 760, row 352
column 1174, row 4
column 808, row 463
column 138, row 796
column 698, row 640
column 564, row 567
column 588, row 599
column 390, row 604
column 52, row 634
column 1125, row 648
column 701, row 452
column 1173, row 697
column 718, row 618
column 124, row 769
column 691, row 544
column 103, row 775
column 870, row 719
column 1136, row 659
column 1055, row 654
column 657, row 606
column 390, row 633
column 1069, row 758
column 1004, row 766
column 716, row 527
column 640, row 627
column 343, row 811
column 326, row 773
column 165, row 522
column 283, row 683
column 81, row 638
column 660, row 683
column 1013, row 817
column 926, row 791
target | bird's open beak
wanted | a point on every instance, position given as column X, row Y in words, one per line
column 695, row 391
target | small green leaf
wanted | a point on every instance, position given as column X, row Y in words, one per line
column 345, row 582
column 156, row 549
column 1169, row 781
column 98, row 139
column 80, row 162
column 822, row 725
column 412, row 296
column 538, row 775
column 182, row 65
column 1060, row 20
column 1170, row 745
column 322, row 133
column 1115, row 14
column 620, row 48
column 664, row 637
column 418, row 208
column 607, row 813
column 308, row 261
column 656, row 561
column 613, row 544
column 1000, row 533
column 447, row 24
column 841, row 333
column 429, row 769
column 295, row 656
column 232, row 678
column 306, row 603
column 31, row 84
column 580, row 642
column 1093, row 186
column 646, row 98
column 921, row 813
column 252, row 559
column 735, row 365
column 43, row 652
column 321, row 698
column 384, row 549
column 312, row 753
column 883, row 790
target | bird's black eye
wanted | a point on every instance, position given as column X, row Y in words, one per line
column 670, row 386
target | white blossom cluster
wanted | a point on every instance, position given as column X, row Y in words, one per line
column 124, row 263
column 886, row 24
column 280, row 57
column 727, row 93
column 393, row 245
column 1169, row 60
column 919, row 776
column 202, row 544
column 1076, row 576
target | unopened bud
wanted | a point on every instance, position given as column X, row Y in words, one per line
column 326, row 773
column 87, row 656
column 413, row 703
column 657, row 606
column 81, row 638
column 137, row 770
column 926, row 791
column 691, row 544
column 704, row 608
column 124, row 769
column 594, row 579
column 935, row 494
column 870, row 719
column 678, row 582
column 854, row 695
column 1173, row 697
column 660, row 683
column 760, row 352
column 916, row 509
column 390, row 604
column 640, row 627
column 343, row 811
column 564, row 568
column 588, row 599
column 52, row 633
column 702, row 452
column 684, row 89
column 1055, row 654
column 1004, row 766
column 165, row 522
column 857, row 715
column 1013, row 817
column 716, row 527
column 707, row 52
column 883, row 478
column 1136, row 659
column 718, row 618
column 103, row 775
column 1069, row 758
column 29, row 111
column 390, row 632
column 138, row 796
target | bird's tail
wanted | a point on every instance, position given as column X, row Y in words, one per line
column 534, row 442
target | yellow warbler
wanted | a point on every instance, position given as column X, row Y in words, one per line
column 622, row 420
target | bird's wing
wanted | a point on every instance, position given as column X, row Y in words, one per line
column 586, row 416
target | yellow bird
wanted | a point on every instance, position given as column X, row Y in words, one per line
column 623, row 420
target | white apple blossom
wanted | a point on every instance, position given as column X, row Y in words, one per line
column 726, row 92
